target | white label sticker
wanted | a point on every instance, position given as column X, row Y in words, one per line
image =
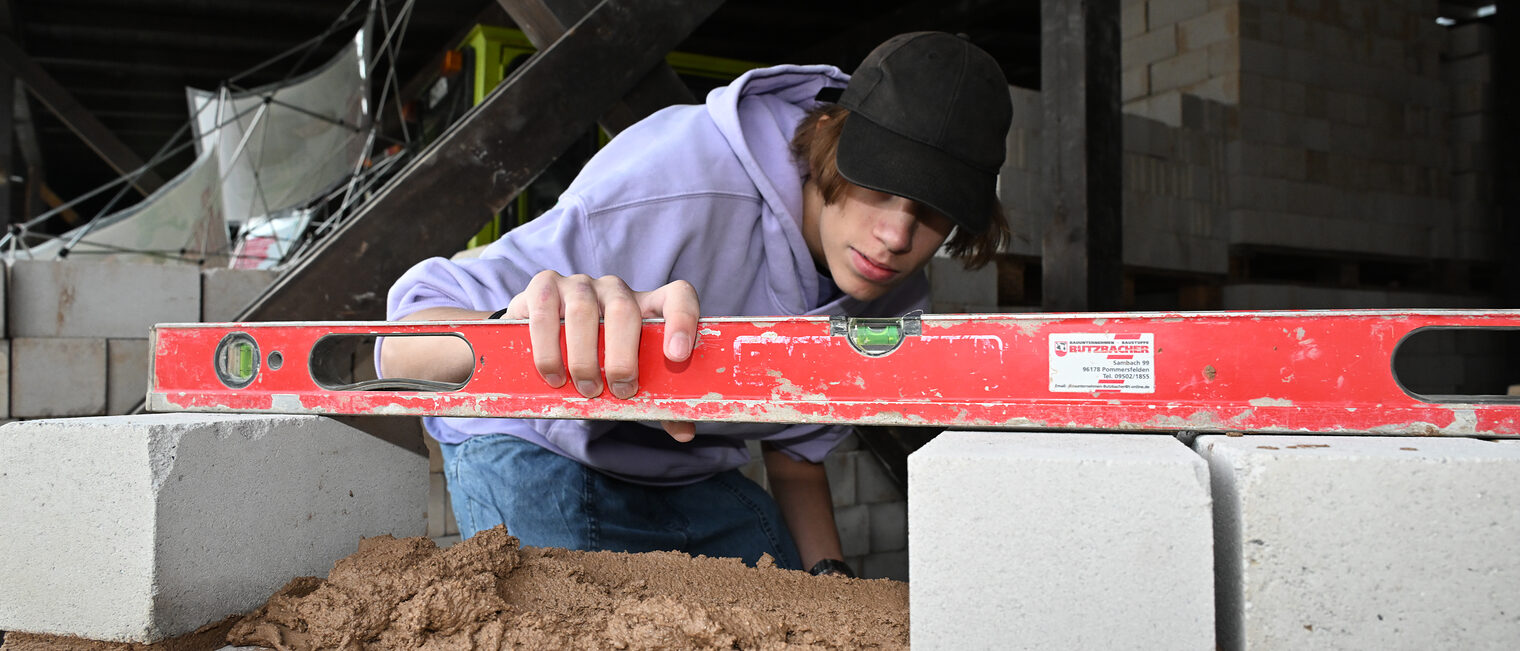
column 1083, row 363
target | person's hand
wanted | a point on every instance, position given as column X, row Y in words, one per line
column 584, row 303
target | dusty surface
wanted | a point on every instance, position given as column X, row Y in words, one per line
column 210, row 636
column 488, row 593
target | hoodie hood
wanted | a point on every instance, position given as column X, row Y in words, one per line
column 757, row 115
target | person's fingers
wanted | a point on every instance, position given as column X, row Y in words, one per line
column 583, row 315
column 677, row 303
column 621, row 326
column 540, row 304
column 681, row 431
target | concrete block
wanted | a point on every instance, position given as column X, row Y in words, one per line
column 1365, row 542
column 1216, row 26
column 1180, row 71
column 840, row 466
column 1134, row 83
column 126, row 374
column 5, row 379
column 872, row 483
column 225, row 292
column 889, row 527
column 1166, row 12
column 950, row 282
column 137, row 528
column 1132, row 20
column 109, row 300
column 1061, row 541
column 5, row 281
column 438, row 504
column 1469, row 39
column 884, row 565
column 1149, row 48
column 854, row 523
column 58, row 377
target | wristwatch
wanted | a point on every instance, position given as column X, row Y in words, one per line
column 831, row 566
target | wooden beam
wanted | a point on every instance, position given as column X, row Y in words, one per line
column 1083, row 257
column 544, row 21
column 433, row 206
column 79, row 120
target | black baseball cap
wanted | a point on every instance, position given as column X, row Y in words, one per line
column 929, row 118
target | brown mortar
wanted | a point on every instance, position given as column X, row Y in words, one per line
column 488, row 593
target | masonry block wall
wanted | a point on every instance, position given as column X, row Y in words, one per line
column 1354, row 130
column 76, row 332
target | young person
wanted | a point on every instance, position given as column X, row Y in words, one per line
column 795, row 190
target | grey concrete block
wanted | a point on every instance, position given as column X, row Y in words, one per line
column 1132, row 20
column 5, row 379
column 58, row 377
column 137, row 528
column 1181, row 71
column 1219, row 25
column 872, row 483
column 854, row 524
column 1365, row 542
column 1149, row 48
column 1059, row 541
column 884, row 565
column 951, row 283
column 889, row 527
column 1172, row 11
column 840, row 467
column 108, row 300
column 438, row 504
column 225, row 292
column 126, row 374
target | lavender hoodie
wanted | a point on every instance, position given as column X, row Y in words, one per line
column 707, row 193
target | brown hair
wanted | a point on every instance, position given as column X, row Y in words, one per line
column 816, row 143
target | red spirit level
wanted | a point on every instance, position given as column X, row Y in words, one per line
column 1322, row 372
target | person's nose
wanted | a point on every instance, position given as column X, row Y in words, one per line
column 895, row 226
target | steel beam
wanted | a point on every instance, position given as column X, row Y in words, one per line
column 544, row 21
column 76, row 116
column 475, row 168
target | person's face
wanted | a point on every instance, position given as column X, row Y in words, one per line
column 871, row 241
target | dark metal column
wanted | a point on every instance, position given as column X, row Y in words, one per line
column 1083, row 248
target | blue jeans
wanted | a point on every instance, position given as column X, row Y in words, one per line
column 547, row 500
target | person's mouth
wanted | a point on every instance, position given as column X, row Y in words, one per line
column 870, row 269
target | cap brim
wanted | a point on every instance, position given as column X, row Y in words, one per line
column 873, row 157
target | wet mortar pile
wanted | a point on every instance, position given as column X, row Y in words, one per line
column 488, row 592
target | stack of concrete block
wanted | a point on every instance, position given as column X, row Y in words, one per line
column 869, row 510
column 1173, row 48
column 442, row 527
column 1175, row 190
column 77, row 329
column 1341, row 133
column 138, row 528
column 954, row 289
column 1175, row 185
column 1468, row 69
